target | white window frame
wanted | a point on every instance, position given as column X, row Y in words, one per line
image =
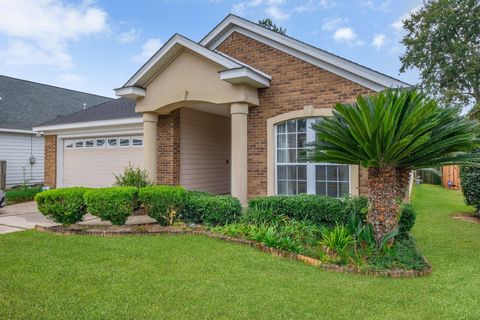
column 93, row 143
column 108, row 142
column 311, row 167
column 68, row 142
column 104, row 143
column 140, row 138
column 79, row 141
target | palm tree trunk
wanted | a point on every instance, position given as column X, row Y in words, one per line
column 382, row 198
column 403, row 181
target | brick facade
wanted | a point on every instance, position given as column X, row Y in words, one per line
column 168, row 148
column 294, row 84
column 50, row 161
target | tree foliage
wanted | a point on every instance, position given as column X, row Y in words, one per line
column 268, row 23
column 396, row 129
column 443, row 42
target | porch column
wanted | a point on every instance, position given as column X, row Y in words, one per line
column 239, row 157
column 150, row 121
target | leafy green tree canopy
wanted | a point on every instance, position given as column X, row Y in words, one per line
column 268, row 23
column 443, row 42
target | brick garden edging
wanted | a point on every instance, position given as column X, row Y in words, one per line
column 400, row 273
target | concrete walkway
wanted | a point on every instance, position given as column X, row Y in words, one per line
column 24, row 216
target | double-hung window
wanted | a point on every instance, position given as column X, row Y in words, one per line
column 294, row 175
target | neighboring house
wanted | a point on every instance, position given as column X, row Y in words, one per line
column 228, row 114
column 24, row 104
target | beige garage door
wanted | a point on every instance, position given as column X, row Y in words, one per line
column 92, row 162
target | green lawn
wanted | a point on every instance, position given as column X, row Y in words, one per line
column 45, row 276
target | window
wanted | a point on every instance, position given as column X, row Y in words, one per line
column 294, row 175
column 78, row 143
column 124, row 142
column 112, row 142
column 137, row 141
column 89, row 143
column 100, row 143
column 68, row 144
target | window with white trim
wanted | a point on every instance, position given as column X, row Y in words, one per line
column 68, row 143
column 112, row 142
column 294, row 175
column 137, row 141
column 78, row 143
column 89, row 143
column 100, row 143
column 124, row 142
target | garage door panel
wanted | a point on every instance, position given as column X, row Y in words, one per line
column 96, row 167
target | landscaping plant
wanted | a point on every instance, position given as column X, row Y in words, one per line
column 163, row 203
column 114, row 204
column 392, row 133
column 470, row 181
column 211, row 209
column 132, row 177
column 22, row 193
column 62, row 205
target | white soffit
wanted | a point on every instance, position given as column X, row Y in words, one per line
column 347, row 69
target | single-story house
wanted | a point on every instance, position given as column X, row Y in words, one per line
column 24, row 104
column 228, row 114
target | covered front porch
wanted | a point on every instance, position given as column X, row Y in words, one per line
column 195, row 104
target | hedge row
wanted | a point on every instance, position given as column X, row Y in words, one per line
column 165, row 204
column 320, row 210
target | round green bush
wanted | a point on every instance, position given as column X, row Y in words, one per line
column 407, row 220
column 113, row 204
column 62, row 205
column 163, row 203
column 213, row 210
column 470, row 181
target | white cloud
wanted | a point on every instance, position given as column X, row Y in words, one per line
column 276, row 13
column 378, row 6
column 331, row 24
column 129, row 36
column 346, row 35
column 148, row 50
column 72, row 78
column 39, row 31
column 397, row 25
column 378, row 41
column 327, row 4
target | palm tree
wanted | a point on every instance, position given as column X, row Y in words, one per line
column 392, row 133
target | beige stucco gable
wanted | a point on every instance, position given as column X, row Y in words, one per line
column 190, row 79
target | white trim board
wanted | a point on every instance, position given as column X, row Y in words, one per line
column 347, row 69
column 89, row 124
column 16, row 131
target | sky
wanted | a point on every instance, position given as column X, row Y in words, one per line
column 96, row 46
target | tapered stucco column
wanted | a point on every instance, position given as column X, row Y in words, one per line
column 239, row 158
column 150, row 121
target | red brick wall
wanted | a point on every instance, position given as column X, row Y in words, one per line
column 168, row 148
column 50, row 161
column 294, row 84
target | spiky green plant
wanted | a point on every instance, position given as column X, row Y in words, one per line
column 391, row 133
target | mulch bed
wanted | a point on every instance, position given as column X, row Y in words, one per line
column 155, row 229
column 466, row 217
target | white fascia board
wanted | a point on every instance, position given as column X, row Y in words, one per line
column 130, row 92
column 186, row 43
column 88, row 124
column 16, row 131
column 245, row 75
column 325, row 60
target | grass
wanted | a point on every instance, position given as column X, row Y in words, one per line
column 22, row 194
column 44, row 276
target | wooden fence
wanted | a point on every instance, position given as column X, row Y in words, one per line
column 451, row 177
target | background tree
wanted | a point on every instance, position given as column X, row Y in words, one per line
column 443, row 42
column 268, row 23
column 392, row 133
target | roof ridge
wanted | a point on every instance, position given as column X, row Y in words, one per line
column 52, row 86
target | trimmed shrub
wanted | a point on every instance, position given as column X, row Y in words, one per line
column 114, row 204
column 62, row 205
column 212, row 210
column 317, row 209
column 406, row 220
column 163, row 203
column 191, row 213
column 470, row 181
column 132, row 177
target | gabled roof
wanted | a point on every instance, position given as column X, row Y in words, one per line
column 235, row 71
column 345, row 68
column 111, row 110
column 24, row 104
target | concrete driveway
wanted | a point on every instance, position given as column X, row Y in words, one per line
column 21, row 216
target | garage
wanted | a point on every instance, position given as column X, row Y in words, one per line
column 93, row 161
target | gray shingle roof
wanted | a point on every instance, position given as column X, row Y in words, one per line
column 114, row 109
column 24, row 104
